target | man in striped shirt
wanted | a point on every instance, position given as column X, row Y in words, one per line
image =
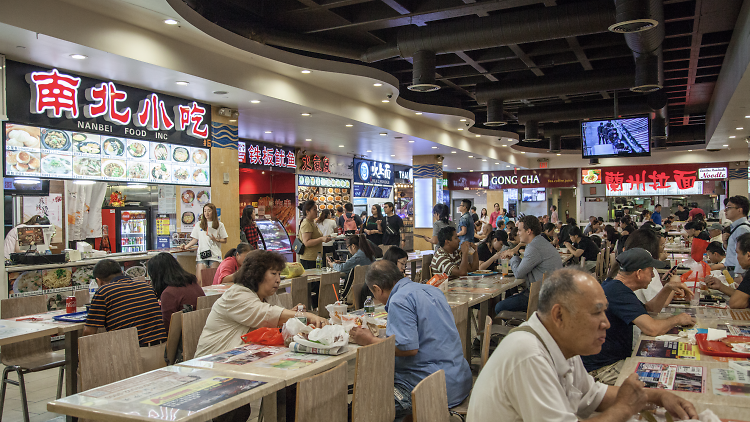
column 450, row 259
column 120, row 303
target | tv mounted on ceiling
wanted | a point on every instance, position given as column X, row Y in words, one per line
column 616, row 138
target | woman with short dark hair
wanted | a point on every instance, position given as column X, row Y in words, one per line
column 231, row 264
column 174, row 286
column 250, row 303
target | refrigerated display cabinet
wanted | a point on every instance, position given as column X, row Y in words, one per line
column 273, row 237
column 129, row 228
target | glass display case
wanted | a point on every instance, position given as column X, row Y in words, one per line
column 273, row 237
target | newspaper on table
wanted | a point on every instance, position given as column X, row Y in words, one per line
column 671, row 377
column 738, row 329
column 291, row 361
column 333, row 351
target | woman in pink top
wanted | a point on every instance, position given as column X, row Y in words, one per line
column 232, row 262
column 493, row 216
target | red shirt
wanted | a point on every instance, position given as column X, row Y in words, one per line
column 696, row 211
column 172, row 299
column 493, row 218
column 227, row 267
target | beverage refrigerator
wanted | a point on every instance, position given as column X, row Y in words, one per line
column 129, row 228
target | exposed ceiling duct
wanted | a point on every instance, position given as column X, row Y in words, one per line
column 532, row 131
column 554, row 143
column 630, row 18
column 592, row 110
column 495, row 115
column 646, row 43
column 423, row 75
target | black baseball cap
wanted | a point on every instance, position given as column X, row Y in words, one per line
column 637, row 259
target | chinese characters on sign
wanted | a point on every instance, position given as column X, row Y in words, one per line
column 265, row 155
column 316, row 163
column 366, row 171
column 627, row 182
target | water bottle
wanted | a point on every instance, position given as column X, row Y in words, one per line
column 369, row 306
column 93, row 287
column 300, row 315
column 319, row 261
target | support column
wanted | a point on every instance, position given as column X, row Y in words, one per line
column 428, row 175
column 224, row 160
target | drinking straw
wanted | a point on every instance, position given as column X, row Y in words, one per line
column 335, row 292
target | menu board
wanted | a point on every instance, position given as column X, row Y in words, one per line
column 58, row 154
column 324, row 182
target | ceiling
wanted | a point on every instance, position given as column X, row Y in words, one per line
column 697, row 33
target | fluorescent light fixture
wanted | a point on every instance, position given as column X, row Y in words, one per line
column 369, row 150
column 308, row 140
column 306, row 114
column 78, row 56
column 471, row 171
column 418, row 113
column 434, row 147
column 170, row 22
column 232, row 120
column 341, row 146
column 183, row 83
column 523, row 152
column 460, row 128
column 559, row 154
column 732, row 137
column 306, row 71
column 507, row 166
column 411, row 142
column 477, row 136
column 349, row 125
column 268, row 131
column 497, row 163
column 484, row 160
column 377, row 84
column 453, row 152
column 386, row 101
column 458, row 168
column 740, row 128
column 726, row 145
column 255, row 101
column 471, row 156
column 505, row 145
column 462, row 120
column 383, row 133
column 393, row 155
column 27, row 181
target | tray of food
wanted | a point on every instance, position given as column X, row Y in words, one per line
column 730, row 347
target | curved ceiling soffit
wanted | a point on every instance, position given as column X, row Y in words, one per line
column 215, row 31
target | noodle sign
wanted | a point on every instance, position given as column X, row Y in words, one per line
column 713, row 173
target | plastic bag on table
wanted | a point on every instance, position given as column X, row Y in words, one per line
column 266, row 336
column 324, row 338
column 292, row 270
column 698, row 248
column 694, row 277
column 291, row 328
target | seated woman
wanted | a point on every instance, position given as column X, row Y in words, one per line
column 247, row 305
column 394, row 254
column 482, row 231
column 489, row 251
column 548, row 233
column 362, row 254
column 232, row 262
column 173, row 286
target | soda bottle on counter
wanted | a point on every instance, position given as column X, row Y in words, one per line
column 369, row 306
column 93, row 287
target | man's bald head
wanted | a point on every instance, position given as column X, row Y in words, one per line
column 384, row 274
column 564, row 287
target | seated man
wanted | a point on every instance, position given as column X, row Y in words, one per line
column 583, row 246
column 716, row 255
column 590, row 226
column 536, row 374
column 426, row 336
column 449, row 259
column 539, row 258
column 738, row 298
column 625, row 310
column 715, row 230
column 121, row 303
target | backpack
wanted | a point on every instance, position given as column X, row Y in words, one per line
column 350, row 224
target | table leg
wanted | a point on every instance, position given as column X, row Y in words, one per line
column 71, row 367
column 469, row 337
column 270, row 408
column 281, row 405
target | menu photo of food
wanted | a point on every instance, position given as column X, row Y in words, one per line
column 138, row 170
column 181, row 174
column 181, row 154
column 22, row 137
column 160, row 172
column 137, row 149
column 204, row 197
column 200, row 157
column 87, row 167
column 22, row 163
column 56, row 165
column 188, row 196
column 201, row 175
column 55, row 140
column 113, row 147
column 159, row 151
column 113, row 169
column 87, row 144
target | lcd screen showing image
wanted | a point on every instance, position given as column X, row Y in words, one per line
column 616, row 138
column 385, row 192
column 534, row 194
column 359, row 191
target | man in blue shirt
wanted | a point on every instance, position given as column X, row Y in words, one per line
column 466, row 223
column 656, row 216
column 736, row 211
column 426, row 336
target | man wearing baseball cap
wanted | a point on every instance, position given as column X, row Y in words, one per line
column 715, row 230
column 625, row 310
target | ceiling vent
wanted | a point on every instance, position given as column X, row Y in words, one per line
column 532, row 131
column 495, row 116
column 632, row 16
column 423, row 75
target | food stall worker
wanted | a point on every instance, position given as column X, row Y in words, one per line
column 231, row 264
column 208, row 239
column 11, row 240
column 426, row 336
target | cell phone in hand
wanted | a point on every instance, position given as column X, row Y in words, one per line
column 669, row 274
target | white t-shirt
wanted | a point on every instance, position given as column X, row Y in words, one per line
column 10, row 242
column 205, row 243
column 328, row 228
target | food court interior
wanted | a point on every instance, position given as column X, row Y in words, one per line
column 124, row 120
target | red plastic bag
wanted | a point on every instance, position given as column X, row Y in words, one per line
column 698, row 249
column 265, row 336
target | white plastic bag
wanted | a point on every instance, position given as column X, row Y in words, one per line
column 291, row 328
column 324, row 338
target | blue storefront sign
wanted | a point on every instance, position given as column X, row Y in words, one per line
column 375, row 172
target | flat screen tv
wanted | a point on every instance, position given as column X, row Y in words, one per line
column 38, row 189
column 616, row 138
column 533, row 194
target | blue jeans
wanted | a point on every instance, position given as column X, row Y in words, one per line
column 402, row 400
column 516, row 303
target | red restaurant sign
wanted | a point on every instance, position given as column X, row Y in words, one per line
column 494, row 180
column 667, row 179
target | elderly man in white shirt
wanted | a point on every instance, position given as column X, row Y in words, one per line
column 537, row 375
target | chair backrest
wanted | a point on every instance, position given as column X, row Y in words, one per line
column 329, row 284
column 385, row 248
column 373, row 382
column 429, row 399
column 426, row 269
column 207, row 276
column 300, row 292
column 323, row 398
column 485, row 353
column 206, row 302
column 534, row 297
column 82, row 297
column 285, row 300
column 18, row 307
column 109, row 357
column 599, row 266
column 360, row 272
column 173, row 337
column 461, row 316
column 192, row 327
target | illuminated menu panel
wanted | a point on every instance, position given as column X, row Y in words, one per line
column 58, row 154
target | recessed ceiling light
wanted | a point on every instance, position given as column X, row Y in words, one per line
column 306, row 114
column 462, row 120
column 471, row 156
column 460, row 128
column 411, row 142
column 471, row 171
column 453, row 152
column 182, row 83
column 458, row 168
column 747, row 117
column 170, row 22
column 393, row 155
column 232, row 120
column 369, row 150
column 507, row 166
column 497, row 163
column 306, row 71
column 255, row 101
column 377, row 84
column 740, row 128
column 523, row 152
column 418, row 113
column 349, row 125
column 559, row 154
column 484, row 160
column 477, row 136
column 732, row 137
column 383, row 133
column 220, row 92
column 78, row 56
column 690, row 150
column 386, row 101
column 268, row 131
column 308, row 140
column 341, row 146
column 505, row 145
column 434, row 147
column 726, row 145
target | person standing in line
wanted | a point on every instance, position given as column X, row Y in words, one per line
column 553, row 218
column 349, row 220
column 494, row 215
column 208, row 238
column 465, row 223
column 310, row 235
column 393, row 225
column 327, row 227
column 249, row 228
column 656, row 216
column 374, row 225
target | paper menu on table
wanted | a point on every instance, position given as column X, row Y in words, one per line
column 671, row 377
column 244, row 354
column 668, row 349
column 291, row 361
column 729, row 382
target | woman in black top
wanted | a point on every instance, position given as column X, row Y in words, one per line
column 374, row 226
column 489, row 250
column 548, row 232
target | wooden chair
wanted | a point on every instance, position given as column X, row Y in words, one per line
column 426, row 269
column 109, row 357
column 323, row 398
column 285, row 300
column 27, row 356
column 485, row 346
column 300, row 291
column 173, row 338
column 429, row 399
column 207, row 276
column 372, row 400
column 192, row 327
column 461, row 316
column 206, row 302
column 506, row 317
column 329, row 284
column 385, row 248
column 82, row 297
column 599, row 271
column 360, row 272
